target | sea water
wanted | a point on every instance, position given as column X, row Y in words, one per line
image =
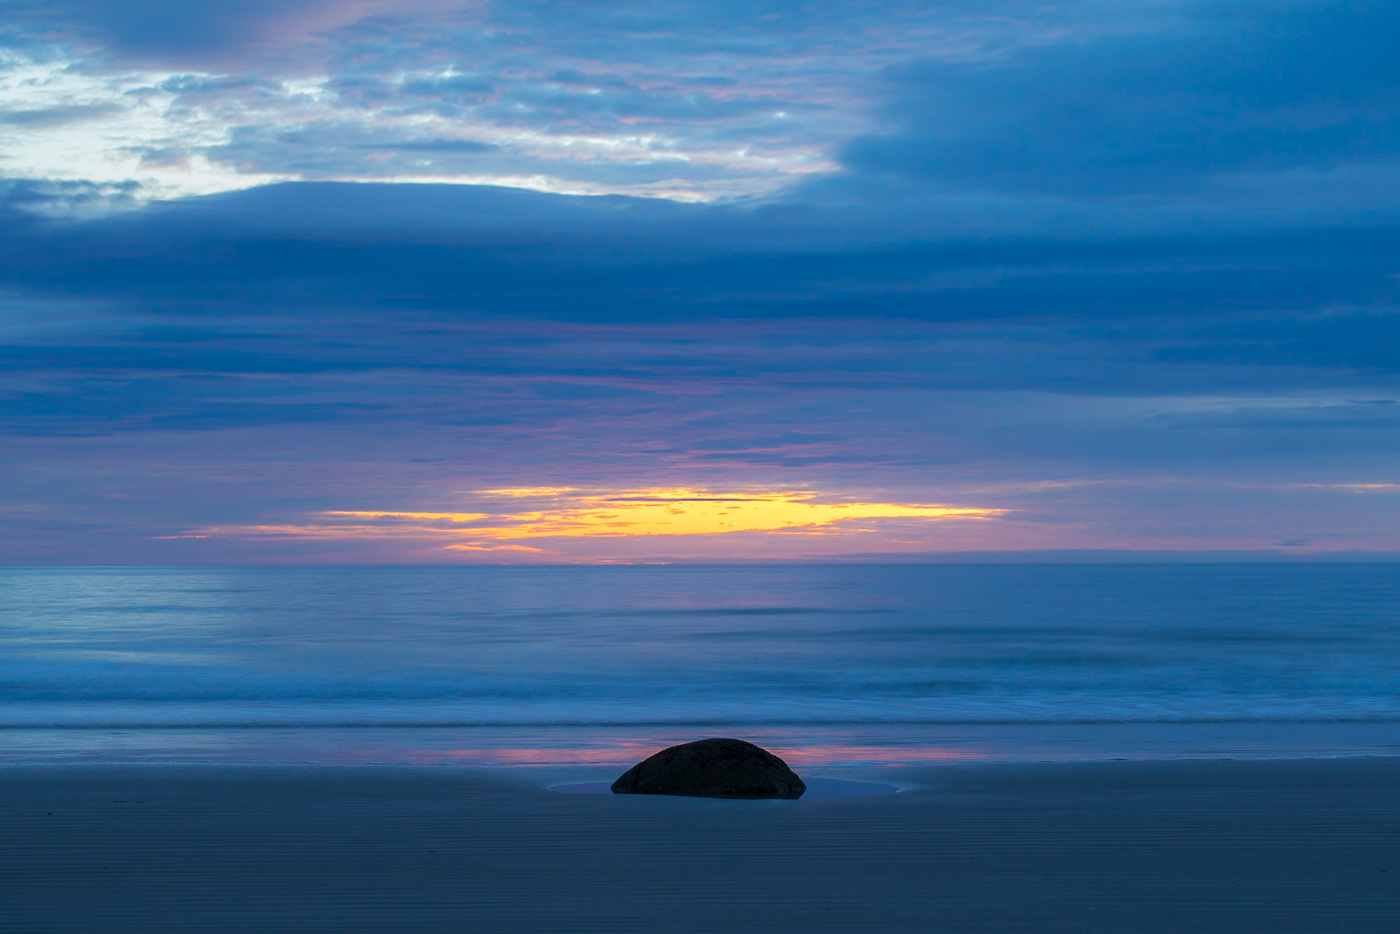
column 828, row 664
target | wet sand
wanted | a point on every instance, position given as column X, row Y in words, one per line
column 1279, row 846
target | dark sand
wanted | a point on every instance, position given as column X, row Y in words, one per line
column 1237, row 846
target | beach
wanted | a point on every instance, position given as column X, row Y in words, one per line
column 1118, row 749
column 1306, row 845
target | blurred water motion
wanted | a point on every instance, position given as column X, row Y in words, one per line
column 557, row 665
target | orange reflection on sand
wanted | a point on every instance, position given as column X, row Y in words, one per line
column 613, row 755
column 625, row 754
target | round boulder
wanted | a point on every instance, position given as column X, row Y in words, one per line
column 712, row 768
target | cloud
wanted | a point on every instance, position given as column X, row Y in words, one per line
column 1126, row 270
column 57, row 116
column 678, row 100
column 1007, row 111
column 711, row 337
column 1220, row 89
column 174, row 32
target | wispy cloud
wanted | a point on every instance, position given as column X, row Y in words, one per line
column 676, row 102
column 60, row 123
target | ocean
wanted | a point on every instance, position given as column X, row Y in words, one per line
column 830, row 665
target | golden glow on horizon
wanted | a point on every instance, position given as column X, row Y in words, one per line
column 666, row 512
column 574, row 514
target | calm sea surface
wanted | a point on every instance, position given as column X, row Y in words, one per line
column 834, row 665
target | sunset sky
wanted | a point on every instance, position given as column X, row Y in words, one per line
column 435, row 281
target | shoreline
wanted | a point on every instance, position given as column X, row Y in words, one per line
column 1300, row 844
column 543, row 775
column 832, row 745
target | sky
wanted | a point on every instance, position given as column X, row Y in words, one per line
column 435, row 281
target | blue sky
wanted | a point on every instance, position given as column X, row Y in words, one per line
column 1100, row 275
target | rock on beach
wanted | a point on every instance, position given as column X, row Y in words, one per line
column 712, row 768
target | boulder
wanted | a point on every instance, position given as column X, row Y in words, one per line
column 712, row 768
